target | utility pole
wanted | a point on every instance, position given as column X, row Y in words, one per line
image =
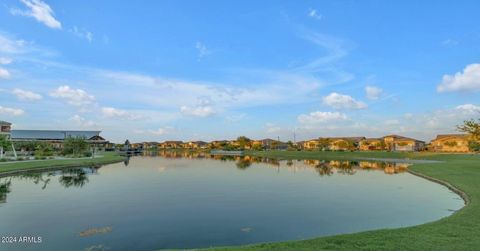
column 294, row 136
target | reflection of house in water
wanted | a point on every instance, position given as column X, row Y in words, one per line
column 394, row 168
column 371, row 165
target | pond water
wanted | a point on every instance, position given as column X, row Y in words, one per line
column 175, row 201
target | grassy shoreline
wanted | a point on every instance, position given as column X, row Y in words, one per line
column 10, row 168
column 460, row 231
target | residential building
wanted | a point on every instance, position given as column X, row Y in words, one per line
column 451, row 143
column 217, row 144
column 372, row 144
column 5, row 128
column 172, row 144
column 344, row 143
column 196, row 145
column 403, row 144
column 57, row 137
column 312, row 144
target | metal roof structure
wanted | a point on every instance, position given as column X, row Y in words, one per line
column 51, row 134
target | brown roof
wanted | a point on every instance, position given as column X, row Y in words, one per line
column 355, row 139
column 398, row 137
column 442, row 136
column 173, row 142
column 370, row 139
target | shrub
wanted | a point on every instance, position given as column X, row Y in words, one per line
column 75, row 146
column 43, row 149
column 474, row 146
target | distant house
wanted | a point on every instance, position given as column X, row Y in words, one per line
column 271, row 144
column 149, row 145
column 5, row 128
column 255, row 144
column 171, row 144
column 217, row 144
column 451, row 143
column 344, row 143
column 403, row 144
column 57, row 137
column 371, row 144
column 311, row 144
column 195, row 145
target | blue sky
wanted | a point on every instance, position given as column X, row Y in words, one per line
column 203, row 70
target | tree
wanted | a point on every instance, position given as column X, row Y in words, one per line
column 243, row 141
column 474, row 146
column 75, row 146
column 44, row 149
column 4, row 143
column 471, row 127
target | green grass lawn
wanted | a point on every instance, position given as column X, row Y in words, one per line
column 107, row 157
column 461, row 231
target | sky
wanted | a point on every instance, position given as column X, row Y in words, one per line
column 206, row 70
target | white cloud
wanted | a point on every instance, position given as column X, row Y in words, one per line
column 373, row 92
column 11, row 46
column 341, row 101
column 4, row 73
column 235, row 118
column 82, row 33
column 272, row 128
column 313, row 13
column 5, row 60
column 318, row 117
column 82, row 122
column 26, row 95
column 391, row 122
column 11, row 111
column 335, row 50
column 197, row 111
column 162, row 131
column 111, row 112
column 203, row 51
column 76, row 97
column 469, row 108
column 40, row 11
column 468, row 80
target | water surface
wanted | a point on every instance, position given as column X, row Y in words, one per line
column 203, row 201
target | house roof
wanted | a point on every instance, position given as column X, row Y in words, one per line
column 173, row 142
column 5, row 123
column 372, row 139
column 355, row 139
column 51, row 134
column 398, row 137
column 443, row 136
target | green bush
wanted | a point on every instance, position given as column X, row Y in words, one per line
column 474, row 146
column 44, row 149
column 75, row 147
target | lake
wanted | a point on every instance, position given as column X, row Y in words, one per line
column 191, row 201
